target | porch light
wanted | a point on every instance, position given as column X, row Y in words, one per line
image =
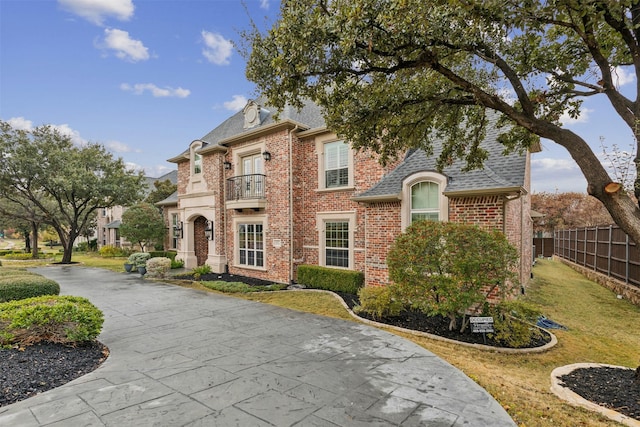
column 266, row 156
column 227, row 165
column 177, row 230
column 208, row 230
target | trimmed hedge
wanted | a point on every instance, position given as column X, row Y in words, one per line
column 330, row 279
column 12, row 272
column 26, row 286
column 164, row 254
column 158, row 267
column 57, row 319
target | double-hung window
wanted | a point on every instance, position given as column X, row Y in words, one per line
column 336, row 164
column 425, row 201
column 250, row 245
column 336, row 244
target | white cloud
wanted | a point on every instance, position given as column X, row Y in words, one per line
column 621, row 76
column 96, row 11
column 119, row 147
column 124, row 46
column 583, row 117
column 217, row 49
column 158, row 92
column 20, row 123
column 264, row 4
column 560, row 175
column 65, row 129
column 236, row 104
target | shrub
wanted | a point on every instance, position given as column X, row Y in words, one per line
column 166, row 254
column 158, row 267
column 138, row 259
column 109, row 251
column 200, row 270
column 58, row 319
column 443, row 268
column 20, row 256
column 513, row 322
column 240, row 287
column 330, row 279
column 178, row 263
column 26, row 286
column 11, row 272
column 378, row 301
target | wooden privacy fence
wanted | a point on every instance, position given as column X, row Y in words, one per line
column 604, row 249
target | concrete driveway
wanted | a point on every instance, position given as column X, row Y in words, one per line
column 181, row 357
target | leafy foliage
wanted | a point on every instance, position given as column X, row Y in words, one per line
column 240, row 287
column 139, row 259
column 514, row 322
column 58, row 319
column 567, row 210
column 330, row 279
column 162, row 190
column 110, row 251
column 67, row 183
column 447, row 268
column 392, row 75
column 158, row 266
column 26, row 286
column 378, row 301
column 143, row 224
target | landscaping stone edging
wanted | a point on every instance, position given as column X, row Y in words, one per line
column 541, row 349
column 575, row 399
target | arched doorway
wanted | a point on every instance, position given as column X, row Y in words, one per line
column 200, row 242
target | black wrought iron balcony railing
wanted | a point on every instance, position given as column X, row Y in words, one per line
column 246, row 187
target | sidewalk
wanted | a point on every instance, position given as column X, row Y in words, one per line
column 181, row 357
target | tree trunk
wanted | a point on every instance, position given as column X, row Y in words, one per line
column 34, row 233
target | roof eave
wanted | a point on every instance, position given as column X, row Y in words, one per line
column 253, row 133
column 377, row 199
column 179, row 159
column 486, row 192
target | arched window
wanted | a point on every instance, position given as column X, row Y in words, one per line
column 425, row 197
column 197, row 163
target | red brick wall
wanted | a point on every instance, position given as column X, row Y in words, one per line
column 383, row 225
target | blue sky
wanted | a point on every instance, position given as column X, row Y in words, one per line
column 147, row 77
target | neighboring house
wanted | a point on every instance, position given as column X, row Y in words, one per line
column 110, row 219
column 259, row 197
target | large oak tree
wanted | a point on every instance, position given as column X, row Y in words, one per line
column 63, row 184
column 394, row 74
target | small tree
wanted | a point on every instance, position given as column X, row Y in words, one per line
column 445, row 268
column 142, row 224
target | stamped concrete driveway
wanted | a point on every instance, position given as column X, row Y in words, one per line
column 181, row 357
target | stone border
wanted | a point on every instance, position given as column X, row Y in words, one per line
column 575, row 399
column 483, row 347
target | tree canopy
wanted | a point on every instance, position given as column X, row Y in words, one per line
column 162, row 190
column 43, row 172
column 395, row 74
column 142, row 224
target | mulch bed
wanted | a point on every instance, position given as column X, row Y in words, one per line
column 612, row 388
column 30, row 370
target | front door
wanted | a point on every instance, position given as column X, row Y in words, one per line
column 201, row 243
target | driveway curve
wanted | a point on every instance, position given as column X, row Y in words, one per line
column 181, row 357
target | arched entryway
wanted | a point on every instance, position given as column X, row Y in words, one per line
column 200, row 241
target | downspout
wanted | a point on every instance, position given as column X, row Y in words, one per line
column 291, row 246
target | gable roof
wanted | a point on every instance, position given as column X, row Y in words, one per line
column 233, row 128
column 500, row 174
column 171, row 176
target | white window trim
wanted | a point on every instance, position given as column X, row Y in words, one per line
column 253, row 219
column 193, row 176
column 324, row 217
column 249, row 150
column 320, row 144
column 410, row 181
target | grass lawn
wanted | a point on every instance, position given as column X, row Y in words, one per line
column 602, row 329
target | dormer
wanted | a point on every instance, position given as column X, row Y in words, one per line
column 251, row 115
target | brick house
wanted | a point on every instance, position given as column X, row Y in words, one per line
column 258, row 197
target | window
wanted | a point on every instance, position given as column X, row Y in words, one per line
column 336, row 244
column 197, row 163
column 174, row 236
column 423, row 198
column 253, row 181
column 425, row 201
column 250, row 245
column 336, row 238
column 336, row 164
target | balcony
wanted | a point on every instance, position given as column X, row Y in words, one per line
column 246, row 192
